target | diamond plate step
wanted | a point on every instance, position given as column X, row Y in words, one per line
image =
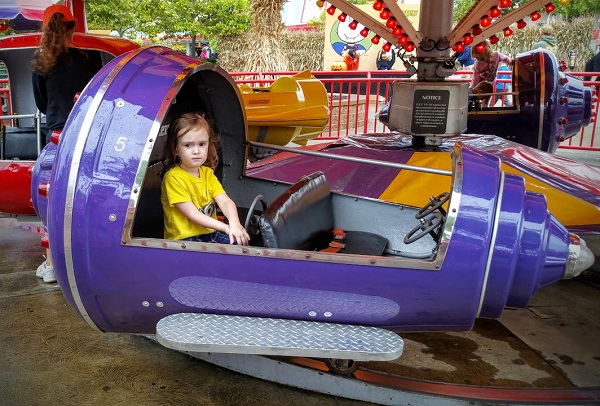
column 197, row 332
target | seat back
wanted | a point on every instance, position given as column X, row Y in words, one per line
column 301, row 217
column 21, row 143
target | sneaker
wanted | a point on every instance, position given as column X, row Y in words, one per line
column 41, row 270
column 47, row 274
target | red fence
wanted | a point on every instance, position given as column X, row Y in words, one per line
column 355, row 98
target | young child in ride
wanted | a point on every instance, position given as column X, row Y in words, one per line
column 190, row 188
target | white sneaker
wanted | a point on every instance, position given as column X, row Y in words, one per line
column 41, row 270
column 46, row 273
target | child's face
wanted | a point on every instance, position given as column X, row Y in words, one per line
column 192, row 149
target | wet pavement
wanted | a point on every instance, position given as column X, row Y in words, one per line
column 52, row 357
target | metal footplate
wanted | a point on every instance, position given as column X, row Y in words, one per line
column 197, row 332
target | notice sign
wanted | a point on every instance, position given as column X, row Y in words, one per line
column 430, row 111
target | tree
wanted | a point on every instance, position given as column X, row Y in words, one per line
column 570, row 10
column 122, row 16
column 171, row 18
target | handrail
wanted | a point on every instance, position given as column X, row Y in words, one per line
column 352, row 159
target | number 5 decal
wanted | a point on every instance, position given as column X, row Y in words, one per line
column 120, row 144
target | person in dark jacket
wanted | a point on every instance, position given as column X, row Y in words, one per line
column 593, row 65
column 385, row 60
column 59, row 73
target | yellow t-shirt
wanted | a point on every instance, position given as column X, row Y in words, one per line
column 178, row 186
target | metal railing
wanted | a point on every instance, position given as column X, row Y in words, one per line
column 355, row 98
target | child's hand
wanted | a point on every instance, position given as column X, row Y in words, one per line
column 237, row 233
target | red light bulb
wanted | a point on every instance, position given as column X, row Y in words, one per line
column 480, row 47
column 364, row 32
column 495, row 12
column 403, row 39
column 505, row 3
column 485, row 21
column 397, row 31
column 331, row 10
column 476, row 30
column 409, row 47
column 550, row 8
column 391, row 22
column 375, row 39
column 387, row 46
column 353, row 24
column 385, row 14
column 521, row 24
column 342, row 17
column 507, row 32
column 467, row 39
column 459, row 47
column 378, row 5
column 494, row 39
column 535, row 16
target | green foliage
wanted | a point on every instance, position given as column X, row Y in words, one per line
column 578, row 8
column 171, row 18
column 575, row 8
column 318, row 22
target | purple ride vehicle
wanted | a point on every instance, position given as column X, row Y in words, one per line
column 485, row 245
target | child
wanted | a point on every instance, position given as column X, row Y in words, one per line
column 486, row 64
column 190, row 188
column 484, row 88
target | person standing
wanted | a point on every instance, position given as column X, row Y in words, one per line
column 593, row 65
column 351, row 59
column 465, row 59
column 385, row 60
column 547, row 40
column 59, row 72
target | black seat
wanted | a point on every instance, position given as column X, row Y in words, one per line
column 302, row 218
column 21, row 143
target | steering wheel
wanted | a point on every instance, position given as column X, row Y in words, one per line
column 251, row 223
column 426, row 226
column 434, row 204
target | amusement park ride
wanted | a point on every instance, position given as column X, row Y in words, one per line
column 298, row 290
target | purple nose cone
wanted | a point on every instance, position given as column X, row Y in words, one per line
column 41, row 174
column 543, row 253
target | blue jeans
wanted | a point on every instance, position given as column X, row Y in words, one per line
column 216, row 236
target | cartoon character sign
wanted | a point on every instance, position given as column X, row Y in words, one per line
column 343, row 38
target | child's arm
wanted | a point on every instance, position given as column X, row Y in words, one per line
column 190, row 211
column 235, row 230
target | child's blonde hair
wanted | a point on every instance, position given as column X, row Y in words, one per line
column 181, row 126
column 485, row 55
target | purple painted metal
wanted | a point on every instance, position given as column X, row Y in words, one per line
column 40, row 174
column 121, row 283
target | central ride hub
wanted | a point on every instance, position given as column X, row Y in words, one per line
column 429, row 110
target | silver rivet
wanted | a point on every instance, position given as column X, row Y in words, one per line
column 145, row 303
column 312, row 313
column 112, row 217
column 159, row 304
column 183, row 246
column 120, row 103
column 327, row 314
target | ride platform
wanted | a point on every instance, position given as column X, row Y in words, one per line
column 547, row 354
